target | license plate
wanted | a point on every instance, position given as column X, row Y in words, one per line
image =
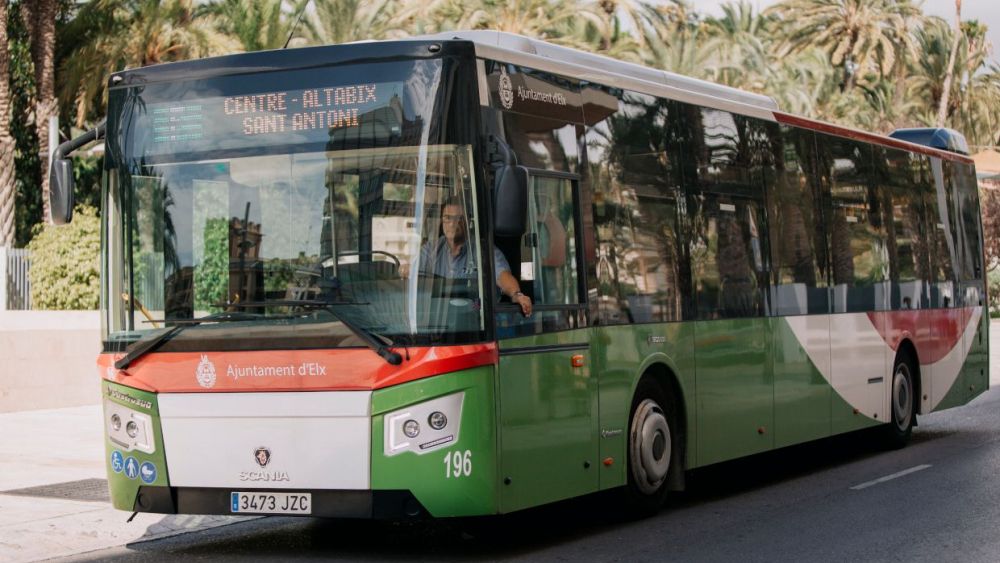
column 258, row 502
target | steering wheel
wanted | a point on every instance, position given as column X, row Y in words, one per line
column 391, row 256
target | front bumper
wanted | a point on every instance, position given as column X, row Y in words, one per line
column 330, row 444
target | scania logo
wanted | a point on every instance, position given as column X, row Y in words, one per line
column 262, row 456
column 205, row 372
column 506, row 89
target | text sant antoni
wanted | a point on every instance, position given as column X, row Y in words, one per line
column 321, row 108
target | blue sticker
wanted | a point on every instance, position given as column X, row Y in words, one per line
column 147, row 472
column 236, row 502
column 117, row 461
column 131, row 468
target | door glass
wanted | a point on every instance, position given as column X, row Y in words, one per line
column 548, row 248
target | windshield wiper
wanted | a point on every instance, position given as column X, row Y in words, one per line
column 380, row 344
column 141, row 347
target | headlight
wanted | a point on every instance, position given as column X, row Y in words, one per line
column 411, row 428
column 129, row 429
column 403, row 432
column 437, row 420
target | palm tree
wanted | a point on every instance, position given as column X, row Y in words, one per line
column 111, row 35
column 40, row 20
column 741, row 39
column 974, row 94
column 343, row 21
column 8, row 188
column 856, row 34
column 949, row 72
column 549, row 20
column 258, row 25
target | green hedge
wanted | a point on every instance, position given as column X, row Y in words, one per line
column 65, row 263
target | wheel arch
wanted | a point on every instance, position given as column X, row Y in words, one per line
column 906, row 348
column 658, row 368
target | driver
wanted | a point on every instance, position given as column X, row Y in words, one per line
column 448, row 256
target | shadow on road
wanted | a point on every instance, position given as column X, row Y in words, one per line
column 512, row 536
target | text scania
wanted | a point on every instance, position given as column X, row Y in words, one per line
column 264, row 476
column 305, row 369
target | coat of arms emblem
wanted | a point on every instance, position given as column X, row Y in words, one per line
column 506, row 89
column 205, row 372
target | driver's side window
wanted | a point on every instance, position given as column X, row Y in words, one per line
column 545, row 260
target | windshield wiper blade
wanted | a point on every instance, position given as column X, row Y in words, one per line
column 378, row 343
column 142, row 347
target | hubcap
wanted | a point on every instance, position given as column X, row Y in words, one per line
column 902, row 397
column 649, row 446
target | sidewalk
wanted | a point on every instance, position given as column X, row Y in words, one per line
column 65, row 446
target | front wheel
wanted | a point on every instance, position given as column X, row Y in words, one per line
column 897, row 433
column 651, row 448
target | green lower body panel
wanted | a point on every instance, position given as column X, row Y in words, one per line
column 129, row 468
column 459, row 479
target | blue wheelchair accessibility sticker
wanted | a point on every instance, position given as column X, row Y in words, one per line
column 147, row 472
column 117, row 461
column 131, row 468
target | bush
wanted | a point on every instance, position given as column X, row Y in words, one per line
column 65, row 265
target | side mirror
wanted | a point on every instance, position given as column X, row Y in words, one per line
column 61, row 175
column 61, row 191
column 510, row 199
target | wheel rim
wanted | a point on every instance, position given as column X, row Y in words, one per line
column 902, row 397
column 649, row 446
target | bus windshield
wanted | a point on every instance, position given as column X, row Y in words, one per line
column 282, row 215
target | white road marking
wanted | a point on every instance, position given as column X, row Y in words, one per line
column 889, row 477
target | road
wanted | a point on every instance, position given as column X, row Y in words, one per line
column 841, row 499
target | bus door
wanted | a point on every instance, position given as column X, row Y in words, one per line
column 548, row 407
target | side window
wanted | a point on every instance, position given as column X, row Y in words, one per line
column 798, row 245
column 642, row 272
column 547, row 272
column 907, row 241
column 726, row 198
column 726, row 257
column 548, row 249
column 938, row 207
column 858, row 241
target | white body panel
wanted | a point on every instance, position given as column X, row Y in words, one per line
column 946, row 370
column 853, row 353
column 859, row 373
column 317, row 440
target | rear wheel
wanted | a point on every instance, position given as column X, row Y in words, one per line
column 897, row 433
column 651, row 448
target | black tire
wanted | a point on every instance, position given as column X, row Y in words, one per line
column 902, row 403
column 653, row 448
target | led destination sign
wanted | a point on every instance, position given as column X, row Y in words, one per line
column 277, row 117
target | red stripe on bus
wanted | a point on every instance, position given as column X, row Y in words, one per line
column 872, row 138
column 934, row 332
column 291, row 370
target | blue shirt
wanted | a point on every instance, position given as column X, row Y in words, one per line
column 439, row 261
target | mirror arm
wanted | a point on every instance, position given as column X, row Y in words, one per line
column 61, row 174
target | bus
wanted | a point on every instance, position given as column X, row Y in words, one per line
column 473, row 273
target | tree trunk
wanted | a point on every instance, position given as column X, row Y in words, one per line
column 40, row 16
column 949, row 74
column 8, row 188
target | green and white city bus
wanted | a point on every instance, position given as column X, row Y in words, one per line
column 318, row 266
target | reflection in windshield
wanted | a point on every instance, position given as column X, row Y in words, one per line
column 305, row 238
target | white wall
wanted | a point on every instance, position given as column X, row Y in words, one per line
column 48, row 359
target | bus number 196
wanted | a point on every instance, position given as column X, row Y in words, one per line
column 457, row 464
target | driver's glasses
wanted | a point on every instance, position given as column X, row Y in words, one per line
column 452, row 218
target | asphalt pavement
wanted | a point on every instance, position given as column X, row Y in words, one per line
column 836, row 499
